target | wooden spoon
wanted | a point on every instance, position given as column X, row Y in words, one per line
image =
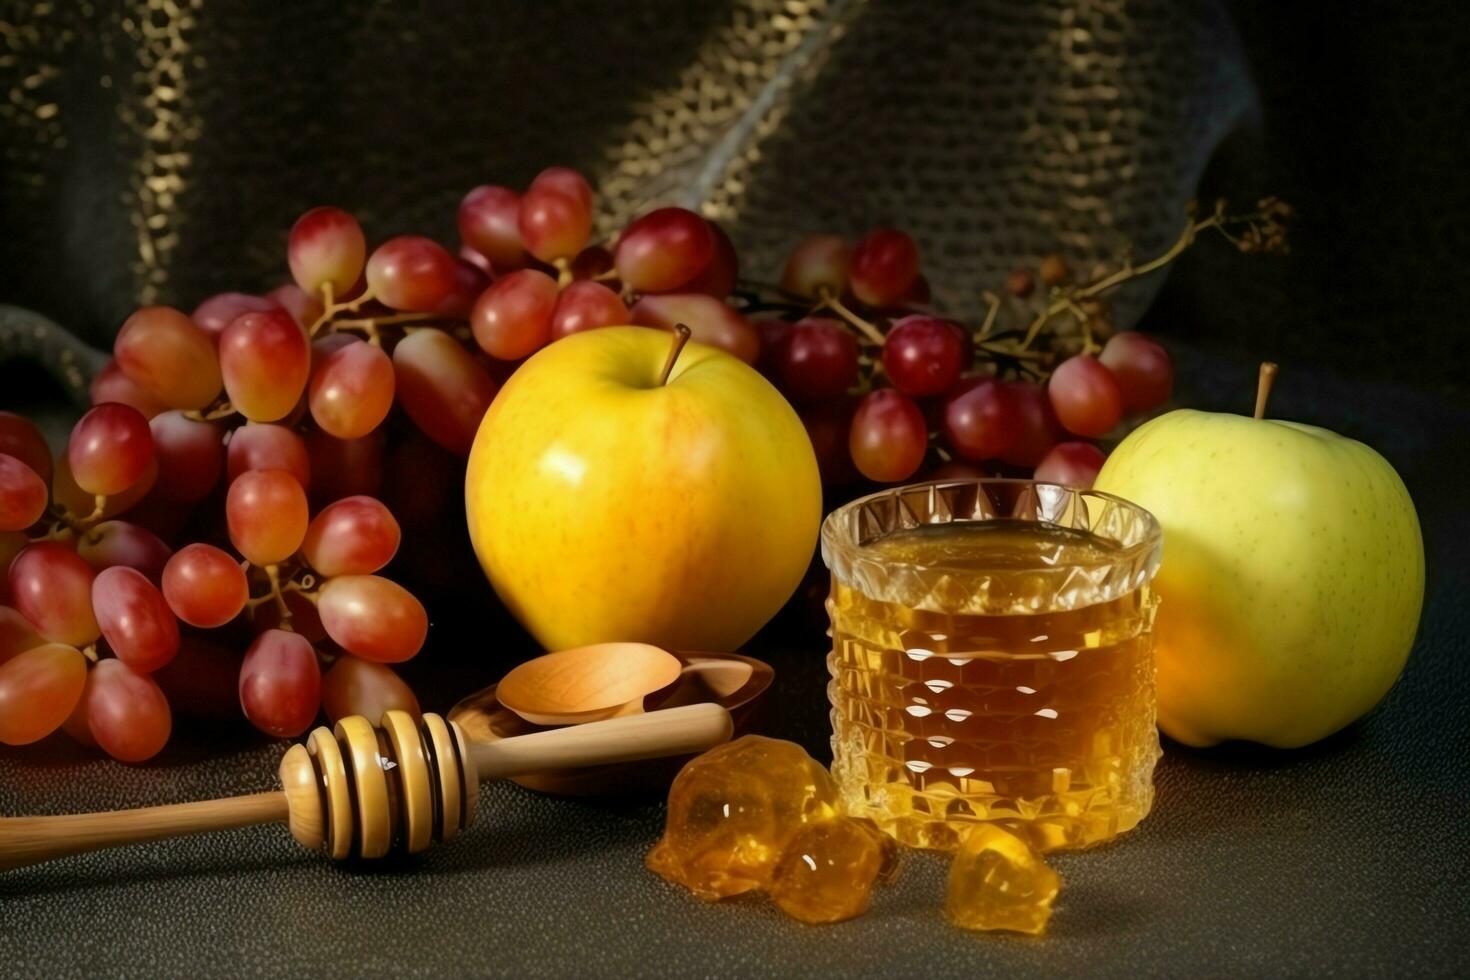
column 571, row 687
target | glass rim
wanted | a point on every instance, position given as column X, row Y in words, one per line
column 839, row 541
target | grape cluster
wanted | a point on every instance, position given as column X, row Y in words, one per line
column 222, row 495
column 84, row 583
column 889, row 389
column 213, row 536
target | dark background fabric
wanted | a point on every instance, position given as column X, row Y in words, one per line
column 1348, row 858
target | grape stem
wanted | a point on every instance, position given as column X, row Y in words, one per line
column 221, row 410
column 682, row 335
column 68, row 523
column 1265, row 232
column 607, row 276
column 273, row 572
column 90, row 652
column 830, row 301
column 992, row 303
column 331, row 309
column 369, row 328
column 563, row 272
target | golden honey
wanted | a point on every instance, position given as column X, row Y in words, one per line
column 992, row 661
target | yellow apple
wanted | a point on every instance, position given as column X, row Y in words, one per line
column 605, row 505
column 1292, row 575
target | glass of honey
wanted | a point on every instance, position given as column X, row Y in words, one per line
column 992, row 660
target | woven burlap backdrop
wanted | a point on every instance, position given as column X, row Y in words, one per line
column 157, row 150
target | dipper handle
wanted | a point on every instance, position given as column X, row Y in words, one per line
column 673, row 731
column 356, row 790
column 31, row 840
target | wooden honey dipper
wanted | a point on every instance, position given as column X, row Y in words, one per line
column 356, row 790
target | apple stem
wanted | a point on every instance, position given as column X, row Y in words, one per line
column 1263, row 386
column 681, row 337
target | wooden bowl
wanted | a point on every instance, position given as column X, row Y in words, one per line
column 737, row 682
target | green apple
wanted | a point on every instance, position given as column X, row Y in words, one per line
column 610, row 498
column 1292, row 574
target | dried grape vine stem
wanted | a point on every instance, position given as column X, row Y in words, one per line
column 1264, row 232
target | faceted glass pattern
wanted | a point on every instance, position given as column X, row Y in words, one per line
column 1005, row 677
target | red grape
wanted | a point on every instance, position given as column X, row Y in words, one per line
column 710, row 321
column 17, row 635
column 372, row 617
column 553, row 223
column 205, row 586
column 344, row 467
column 475, row 259
column 111, row 385
column 718, row 277
column 488, row 218
column 135, row 620
column 267, row 515
column 889, row 437
column 586, row 306
column 170, row 358
column 75, row 725
column 163, row 519
column 23, row 495
column 1036, row 425
column 773, row 333
column 326, row 245
column 109, row 449
column 818, row 263
column 918, row 294
column 512, row 319
column 120, row 543
column 12, row 543
column 593, row 261
column 126, row 712
column 267, row 447
column 827, row 426
column 353, row 536
column 1143, row 369
column 923, row 355
column 663, row 250
column 220, row 310
column 74, row 500
column 203, row 680
column 281, row 683
column 818, row 360
column 1085, row 396
column 567, row 181
column 980, row 419
column 20, row 438
column 51, row 586
column 442, row 388
column 352, row 390
column 191, row 456
column 410, row 273
column 469, row 282
column 1074, row 464
column 305, row 308
column 1054, row 270
column 361, row 687
column 38, row 691
column 884, row 266
column 265, row 358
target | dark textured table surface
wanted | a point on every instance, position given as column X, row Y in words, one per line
column 1346, row 858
